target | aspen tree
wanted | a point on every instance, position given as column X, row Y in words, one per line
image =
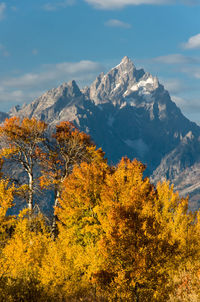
column 21, row 139
column 67, row 148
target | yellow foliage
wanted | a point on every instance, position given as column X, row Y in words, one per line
column 6, row 202
column 21, row 259
column 120, row 237
column 141, row 234
column 23, row 253
column 27, row 130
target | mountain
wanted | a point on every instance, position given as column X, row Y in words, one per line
column 126, row 112
column 3, row 116
column 182, row 167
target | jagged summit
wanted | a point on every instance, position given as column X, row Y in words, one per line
column 71, row 88
column 127, row 112
column 126, row 63
column 51, row 104
column 123, row 82
column 122, row 86
column 126, row 60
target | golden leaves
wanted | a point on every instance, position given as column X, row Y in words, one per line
column 26, row 130
column 6, row 202
column 120, row 238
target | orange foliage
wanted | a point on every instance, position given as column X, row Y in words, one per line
column 120, row 237
column 6, row 202
column 28, row 131
column 21, row 139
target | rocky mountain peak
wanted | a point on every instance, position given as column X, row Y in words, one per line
column 69, row 89
column 51, row 104
column 121, row 82
column 127, row 112
column 125, row 65
column 126, row 60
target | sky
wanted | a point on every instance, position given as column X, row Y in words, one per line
column 44, row 43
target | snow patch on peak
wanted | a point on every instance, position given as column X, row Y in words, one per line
column 146, row 84
column 124, row 81
column 145, row 87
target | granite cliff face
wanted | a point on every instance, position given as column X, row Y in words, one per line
column 127, row 112
column 182, row 167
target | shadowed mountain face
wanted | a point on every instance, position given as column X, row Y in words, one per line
column 182, row 167
column 3, row 116
column 126, row 112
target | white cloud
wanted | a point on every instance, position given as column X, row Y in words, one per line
column 193, row 42
column 191, row 71
column 196, row 73
column 187, row 105
column 180, row 63
column 35, row 52
column 117, row 4
column 3, row 51
column 176, row 59
column 26, row 87
column 14, row 8
column 2, row 10
column 173, row 85
column 117, row 23
column 180, row 102
column 53, row 6
column 18, row 96
column 57, row 72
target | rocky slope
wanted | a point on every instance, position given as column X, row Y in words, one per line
column 3, row 116
column 182, row 167
column 127, row 112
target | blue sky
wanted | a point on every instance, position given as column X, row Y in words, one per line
column 46, row 42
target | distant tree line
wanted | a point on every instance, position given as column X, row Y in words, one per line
column 114, row 236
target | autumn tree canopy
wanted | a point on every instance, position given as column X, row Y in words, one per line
column 67, row 147
column 127, row 236
column 20, row 139
column 120, row 237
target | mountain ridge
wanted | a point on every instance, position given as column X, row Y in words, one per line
column 127, row 112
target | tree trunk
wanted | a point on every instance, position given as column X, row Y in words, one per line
column 30, row 193
column 136, row 292
column 55, row 219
